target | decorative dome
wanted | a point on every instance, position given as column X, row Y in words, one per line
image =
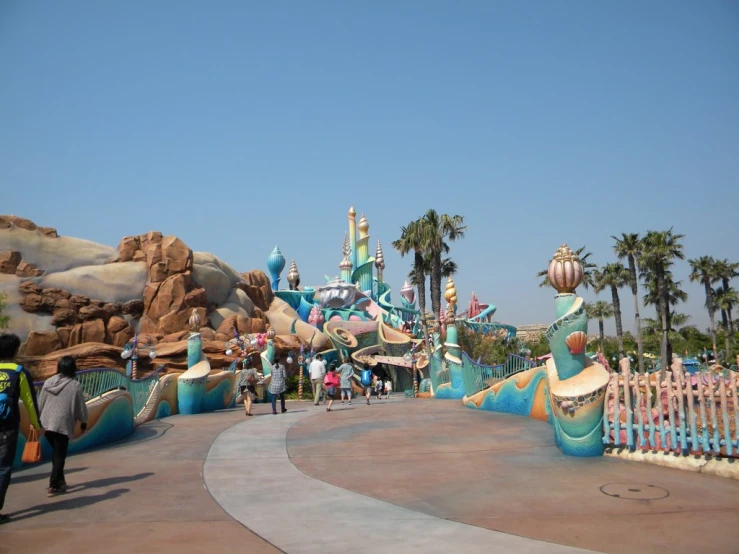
column 276, row 261
column 363, row 225
column 451, row 292
column 565, row 270
column 352, row 211
column 345, row 263
column 293, row 276
column 379, row 258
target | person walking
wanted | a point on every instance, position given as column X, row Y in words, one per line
column 388, row 388
column 16, row 386
column 277, row 385
column 367, row 381
column 248, row 385
column 332, row 383
column 317, row 372
column 62, row 405
column 346, row 372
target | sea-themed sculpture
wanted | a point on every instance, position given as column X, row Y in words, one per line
column 337, row 294
column 293, row 276
column 576, row 384
column 408, row 292
column 316, row 317
column 275, row 264
column 194, row 321
column 474, row 307
column 379, row 261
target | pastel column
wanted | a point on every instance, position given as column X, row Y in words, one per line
column 275, row 264
column 194, row 349
column 453, row 355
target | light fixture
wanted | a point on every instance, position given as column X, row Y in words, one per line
column 229, row 352
column 152, row 354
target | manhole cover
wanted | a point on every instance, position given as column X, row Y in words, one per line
column 634, row 491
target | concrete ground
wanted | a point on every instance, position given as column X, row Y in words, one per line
column 430, row 474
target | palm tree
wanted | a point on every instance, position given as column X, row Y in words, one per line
column 659, row 249
column 727, row 270
column 703, row 270
column 725, row 299
column 613, row 276
column 629, row 246
column 440, row 228
column 587, row 269
column 413, row 238
column 600, row 310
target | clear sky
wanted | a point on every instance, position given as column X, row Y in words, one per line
column 238, row 125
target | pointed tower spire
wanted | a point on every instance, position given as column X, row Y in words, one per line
column 346, row 264
column 379, row 261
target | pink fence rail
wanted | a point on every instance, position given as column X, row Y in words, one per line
column 680, row 412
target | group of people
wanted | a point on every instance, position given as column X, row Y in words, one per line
column 338, row 382
column 277, row 385
column 61, row 404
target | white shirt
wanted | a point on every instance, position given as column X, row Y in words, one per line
column 389, row 385
column 317, row 369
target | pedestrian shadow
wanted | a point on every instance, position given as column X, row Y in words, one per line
column 19, row 478
column 71, row 503
column 108, row 482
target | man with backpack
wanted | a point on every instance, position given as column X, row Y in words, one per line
column 367, row 382
column 15, row 385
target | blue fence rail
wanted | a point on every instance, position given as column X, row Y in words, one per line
column 478, row 377
column 96, row 382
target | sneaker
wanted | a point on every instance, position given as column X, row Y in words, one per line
column 274, row 413
column 284, row 410
column 53, row 492
column 4, row 518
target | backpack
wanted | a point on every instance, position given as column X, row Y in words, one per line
column 8, row 384
column 251, row 379
column 366, row 377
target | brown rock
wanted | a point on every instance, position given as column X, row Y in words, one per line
column 93, row 331
column 64, row 333
column 150, row 293
column 54, row 294
column 92, row 311
column 49, row 232
column 152, row 237
column 258, row 325
column 109, row 310
column 243, row 325
column 42, row 343
column 139, row 256
column 153, row 254
column 88, row 356
column 22, row 222
column 32, row 303
column 257, row 287
column 206, row 333
column 173, row 321
column 127, row 249
column 176, row 254
column 158, row 272
column 170, row 297
column 196, row 298
column 64, row 316
column 134, row 308
column 4, row 222
column 9, row 260
column 175, row 337
column 147, row 325
column 149, row 339
column 25, row 269
column 27, row 287
column 220, row 337
column 79, row 301
column 118, row 332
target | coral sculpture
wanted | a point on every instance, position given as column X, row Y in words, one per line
column 576, row 384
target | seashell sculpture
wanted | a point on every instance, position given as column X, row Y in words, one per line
column 275, row 264
column 451, row 292
column 408, row 292
column 271, row 333
column 194, row 321
column 363, row 226
column 337, row 294
column 315, row 317
column 293, row 276
column 379, row 258
column 565, row 270
column 576, row 342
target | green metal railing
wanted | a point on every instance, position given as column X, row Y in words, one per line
column 478, row 377
column 96, row 382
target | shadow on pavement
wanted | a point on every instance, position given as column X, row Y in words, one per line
column 19, row 478
column 67, row 504
column 109, row 481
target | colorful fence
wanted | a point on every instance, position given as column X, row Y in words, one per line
column 479, row 377
column 686, row 413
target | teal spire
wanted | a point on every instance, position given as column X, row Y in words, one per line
column 275, row 264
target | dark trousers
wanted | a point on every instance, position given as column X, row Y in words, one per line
column 59, row 444
column 8, row 445
column 274, row 401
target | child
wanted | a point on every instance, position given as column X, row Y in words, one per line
column 388, row 388
column 378, row 388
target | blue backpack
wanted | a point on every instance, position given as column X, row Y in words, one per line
column 366, row 377
column 9, row 381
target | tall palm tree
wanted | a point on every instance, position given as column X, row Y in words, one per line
column 587, row 269
column 440, row 228
column 659, row 249
column 727, row 271
column 448, row 269
column 629, row 246
column 414, row 238
column 703, row 271
column 600, row 310
column 613, row 276
column 725, row 299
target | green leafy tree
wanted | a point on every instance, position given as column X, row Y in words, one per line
column 4, row 318
column 613, row 276
column 659, row 250
column 629, row 247
column 601, row 311
column 727, row 271
column 414, row 238
column 703, row 271
column 725, row 299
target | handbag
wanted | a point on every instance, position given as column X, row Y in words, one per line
column 32, row 449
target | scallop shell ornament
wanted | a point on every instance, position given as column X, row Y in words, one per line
column 576, row 342
column 565, row 270
column 451, row 292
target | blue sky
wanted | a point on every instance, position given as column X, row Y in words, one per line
column 241, row 125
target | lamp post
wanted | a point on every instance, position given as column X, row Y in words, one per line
column 410, row 356
column 301, row 361
column 131, row 350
